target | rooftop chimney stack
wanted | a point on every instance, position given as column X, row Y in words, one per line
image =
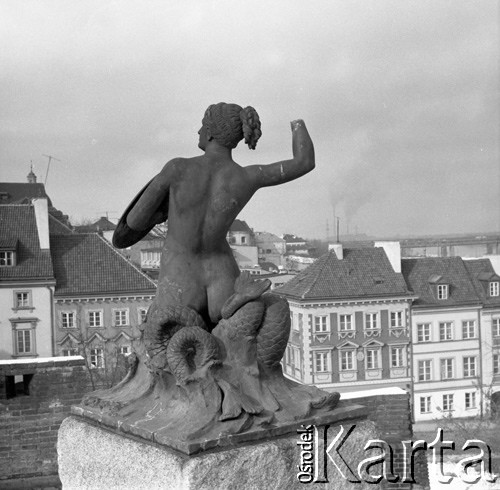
column 337, row 248
column 393, row 252
column 42, row 222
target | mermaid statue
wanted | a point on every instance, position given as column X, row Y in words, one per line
column 207, row 363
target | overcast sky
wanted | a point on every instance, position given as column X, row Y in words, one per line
column 400, row 98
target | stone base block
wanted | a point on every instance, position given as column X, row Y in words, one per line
column 91, row 457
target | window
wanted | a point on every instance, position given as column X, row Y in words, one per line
column 70, row 352
column 371, row 321
column 142, row 314
column 425, row 404
column 442, row 291
column 496, row 363
column 398, row 356
column 496, row 327
column 372, row 358
column 346, row 360
column 24, row 341
column 95, row 319
column 424, row 370
column 396, row 319
column 97, row 358
column 469, row 329
column 121, row 317
column 22, row 299
column 447, row 403
column 301, row 321
column 469, row 367
column 423, row 332
column 446, row 331
column 68, row 319
column 446, row 369
column 346, row 322
column 6, row 258
column 243, row 239
column 494, row 288
column 124, row 349
column 321, row 364
column 320, row 324
column 470, row 400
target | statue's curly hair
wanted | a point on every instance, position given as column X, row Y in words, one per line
column 230, row 123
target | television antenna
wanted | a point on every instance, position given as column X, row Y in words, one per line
column 50, row 157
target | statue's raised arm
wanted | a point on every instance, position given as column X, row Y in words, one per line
column 287, row 170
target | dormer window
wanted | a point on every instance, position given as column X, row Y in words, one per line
column 7, row 258
column 442, row 291
column 494, row 288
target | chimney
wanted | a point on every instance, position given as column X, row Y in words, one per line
column 393, row 252
column 337, row 248
column 42, row 221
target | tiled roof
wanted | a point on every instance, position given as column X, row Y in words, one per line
column 239, row 225
column 18, row 223
column 361, row 273
column 482, row 272
column 58, row 228
column 422, row 275
column 88, row 264
column 102, row 224
column 15, row 192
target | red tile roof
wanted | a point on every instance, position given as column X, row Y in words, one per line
column 18, row 223
column 361, row 273
column 420, row 276
column 86, row 264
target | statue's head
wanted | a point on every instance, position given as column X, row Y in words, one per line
column 228, row 124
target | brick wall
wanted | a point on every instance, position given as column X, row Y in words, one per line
column 392, row 415
column 35, row 397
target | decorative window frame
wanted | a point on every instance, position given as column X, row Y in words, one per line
column 72, row 351
column 61, row 319
column 323, row 323
column 429, row 327
column 451, row 329
column 16, row 327
column 427, row 399
column 142, row 312
column 101, row 315
column 327, row 356
column 347, row 375
column 476, row 364
column 399, row 320
column 16, row 306
column 496, row 364
column 428, row 362
column 97, row 357
column 127, row 317
column 443, row 369
column 451, row 402
column 467, row 398
column 466, row 324
column 494, row 288
column 495, row 327
column 373, row 346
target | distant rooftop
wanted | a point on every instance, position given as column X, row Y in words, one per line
column 364, row 272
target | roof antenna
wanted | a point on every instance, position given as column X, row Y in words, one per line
column 50, row 157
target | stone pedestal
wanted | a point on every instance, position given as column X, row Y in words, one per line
column 93, row 457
